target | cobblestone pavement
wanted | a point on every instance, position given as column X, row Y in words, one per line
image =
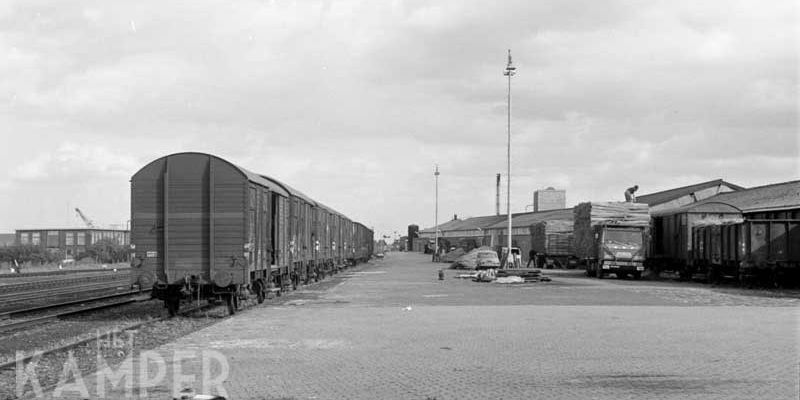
column 391, row 330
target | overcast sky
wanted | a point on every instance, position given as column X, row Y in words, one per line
column 353, row 102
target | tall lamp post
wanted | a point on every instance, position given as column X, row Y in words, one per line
column 436, row 218
column 509, row 72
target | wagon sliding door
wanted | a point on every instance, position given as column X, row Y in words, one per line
column 186, row 222
column 203, row 199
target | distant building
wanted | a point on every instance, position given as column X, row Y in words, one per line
column 549, row 199
column 72, row 241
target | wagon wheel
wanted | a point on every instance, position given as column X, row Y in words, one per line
column 713, row 275
column 173, row 304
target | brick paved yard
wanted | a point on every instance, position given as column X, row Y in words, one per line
column 391, row 330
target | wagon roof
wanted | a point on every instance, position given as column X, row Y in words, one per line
column 329, row 210
column 251, row 176
column 292, row 191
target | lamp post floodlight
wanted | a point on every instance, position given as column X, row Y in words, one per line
column 436, row 218
column 509, row 72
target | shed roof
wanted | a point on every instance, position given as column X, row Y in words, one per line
column 772, row 197
column 488, row 222
column 525, row 220
column 446, row 226
column 672, row 194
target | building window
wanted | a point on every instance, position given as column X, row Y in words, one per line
column 35, row 238
column 69, row 238
column 81, row 236
column 52, row 239
column 23, row 238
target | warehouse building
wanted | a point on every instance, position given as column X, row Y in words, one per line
column 71, row 241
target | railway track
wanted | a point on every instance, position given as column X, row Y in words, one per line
column 15, row 313
column 9, row 299
column 79, row 342
column 50, row 283
column 14, row 325
column 55, row 273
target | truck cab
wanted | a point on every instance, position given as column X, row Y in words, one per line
column 620, row 250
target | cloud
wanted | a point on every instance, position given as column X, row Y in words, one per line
column 353, row 102
column 77, row 163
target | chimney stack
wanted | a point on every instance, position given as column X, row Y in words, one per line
column 497, row 197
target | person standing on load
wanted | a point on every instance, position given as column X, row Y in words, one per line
column 630, row 194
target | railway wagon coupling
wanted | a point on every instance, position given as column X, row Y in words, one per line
column 204, row 229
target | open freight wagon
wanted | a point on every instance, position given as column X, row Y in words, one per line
column 765, row 252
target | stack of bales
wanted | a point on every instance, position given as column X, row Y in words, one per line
column 589, row 215
column 553, row 238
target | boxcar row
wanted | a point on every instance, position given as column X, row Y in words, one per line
column 203, row 228
column 718, row 241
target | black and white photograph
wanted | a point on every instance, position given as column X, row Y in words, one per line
column 399, row 199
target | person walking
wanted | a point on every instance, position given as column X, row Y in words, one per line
column 630, row 194
column 531, row 258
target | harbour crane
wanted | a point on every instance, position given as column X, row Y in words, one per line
column 85, row 219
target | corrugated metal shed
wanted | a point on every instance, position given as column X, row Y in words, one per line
column 773, row 197
column 672, row 194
